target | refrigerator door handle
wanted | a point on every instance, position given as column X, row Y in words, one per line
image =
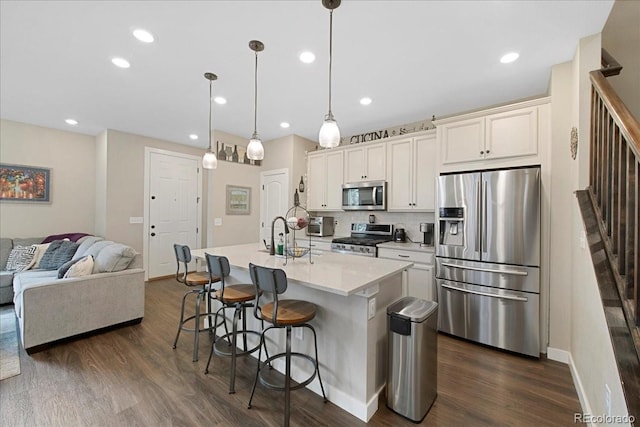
column 483, row 242
column 485, row 294
column 486, row 270
column 478, row 248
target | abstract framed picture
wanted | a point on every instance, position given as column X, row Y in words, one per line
column 29, row 184
column 238, row 200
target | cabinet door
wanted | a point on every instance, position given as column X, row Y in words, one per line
column 462, row 141
column 512, row 133
column 376, row 165
column 399, row 197
column 424, row 167
column 333, row 181
column 316, row 181
column 354, row 165
column 420, row 282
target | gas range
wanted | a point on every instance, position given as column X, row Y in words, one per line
column 363, row 240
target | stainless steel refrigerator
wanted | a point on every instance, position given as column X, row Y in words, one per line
column 488, row 257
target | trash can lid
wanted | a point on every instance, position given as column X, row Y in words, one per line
column 415, row 309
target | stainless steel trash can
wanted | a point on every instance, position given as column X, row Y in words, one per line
column 412, row 362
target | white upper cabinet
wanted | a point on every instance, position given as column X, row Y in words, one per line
column 324, row 176
column 366, row 163
column 509, row 132
column 411, row 171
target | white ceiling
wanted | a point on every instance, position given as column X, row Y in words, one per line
column 415, row 59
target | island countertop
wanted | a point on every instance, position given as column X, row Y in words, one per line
column 330, row 272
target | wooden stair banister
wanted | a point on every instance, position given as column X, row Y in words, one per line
column 614, row 194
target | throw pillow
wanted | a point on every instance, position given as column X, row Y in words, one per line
column 40, row 250
column 87, row 242
column 76, row 267
column 114, row 257
column 95, row 249
column 83, row 267
column 58, row 252
column 20, row 258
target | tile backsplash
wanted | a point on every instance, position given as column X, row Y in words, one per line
column 407, row 220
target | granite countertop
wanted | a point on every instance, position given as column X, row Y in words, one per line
column 407, row 246
column 330, row 272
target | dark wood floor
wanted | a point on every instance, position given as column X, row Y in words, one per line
column 132, row 376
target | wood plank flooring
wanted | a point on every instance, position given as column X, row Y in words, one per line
column 132, row 377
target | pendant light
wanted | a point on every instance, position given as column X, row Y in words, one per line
column 329, row 135
column 255, row 150
column 209, row 160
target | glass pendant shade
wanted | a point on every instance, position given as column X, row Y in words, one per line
column 209, row 160
column 255, row 150
column 329, row 135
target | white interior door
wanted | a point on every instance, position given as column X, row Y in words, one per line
column 274, row 201
column 173, row 209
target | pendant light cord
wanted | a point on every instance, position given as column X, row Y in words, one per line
column 255, row 101
column 210, row 108
column 330, row 55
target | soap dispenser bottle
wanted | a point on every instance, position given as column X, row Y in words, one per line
column 280, row 246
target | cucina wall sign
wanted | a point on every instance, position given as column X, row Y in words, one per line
column 389, row 132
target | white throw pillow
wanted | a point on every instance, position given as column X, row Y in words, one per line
column 40, row 250
column 20, row 258
column 84, row 267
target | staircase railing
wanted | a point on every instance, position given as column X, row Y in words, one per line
column 614, row 193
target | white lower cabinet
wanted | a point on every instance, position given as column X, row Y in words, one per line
column 317, row 246
column 420, row 281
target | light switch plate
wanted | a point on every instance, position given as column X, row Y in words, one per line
column 136, row 220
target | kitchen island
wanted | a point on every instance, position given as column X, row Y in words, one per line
column 352, row 294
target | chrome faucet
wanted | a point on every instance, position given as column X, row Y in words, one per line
column 272, row 250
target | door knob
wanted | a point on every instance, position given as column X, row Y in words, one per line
column 153, row 234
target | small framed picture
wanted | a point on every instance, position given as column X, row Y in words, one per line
column 238, row 200
column 27, row 184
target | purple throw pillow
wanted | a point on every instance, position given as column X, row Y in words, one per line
column 74, row 237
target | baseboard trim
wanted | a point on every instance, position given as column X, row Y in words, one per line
column 558, row 355
column 582, row 395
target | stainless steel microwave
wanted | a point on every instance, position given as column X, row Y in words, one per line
column 320, row 226
column 364, row 196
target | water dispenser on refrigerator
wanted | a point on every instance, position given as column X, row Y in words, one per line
column 451, row 226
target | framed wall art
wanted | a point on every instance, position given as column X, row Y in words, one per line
column 29, row 184
column 238, row 200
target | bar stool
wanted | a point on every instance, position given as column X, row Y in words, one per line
column 288, row 314
column 200, row 282
column 238, row 298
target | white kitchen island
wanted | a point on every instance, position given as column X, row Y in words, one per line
column 352, row 294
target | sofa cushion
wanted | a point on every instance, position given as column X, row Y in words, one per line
column 20, row 258
column 58, row 252
column 87, row 242
column 25, row 278
column 71, row 236
column 40, row 250
column 81, row 267
column 114, row 257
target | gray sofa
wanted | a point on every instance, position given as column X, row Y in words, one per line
column 6, row 277
column 51, row 309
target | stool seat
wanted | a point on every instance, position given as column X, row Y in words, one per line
column 237, row 293
column 200, row 278
column 290, row 312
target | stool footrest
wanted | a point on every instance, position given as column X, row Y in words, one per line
column 274, row 380
column 222, row 347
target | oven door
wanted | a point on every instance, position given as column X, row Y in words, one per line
column 364, row 196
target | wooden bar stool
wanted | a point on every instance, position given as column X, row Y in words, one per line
column 200, row 282
column 286, row 314
column 238, row 298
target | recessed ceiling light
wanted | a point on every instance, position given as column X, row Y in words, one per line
column 71, row 122
column 284, row 125
column 307, row 57
column 120, row 62
column 193, row 136
column 365, row 101
column 143, row 35
column 219, row 100
column 509, row 57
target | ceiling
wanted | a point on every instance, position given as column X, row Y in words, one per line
column 415, row 59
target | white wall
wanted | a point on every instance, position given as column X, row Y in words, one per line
column 71, row 157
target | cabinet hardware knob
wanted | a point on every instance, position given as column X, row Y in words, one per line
column 153, row 226
column 481, row 153
column 488, row 151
